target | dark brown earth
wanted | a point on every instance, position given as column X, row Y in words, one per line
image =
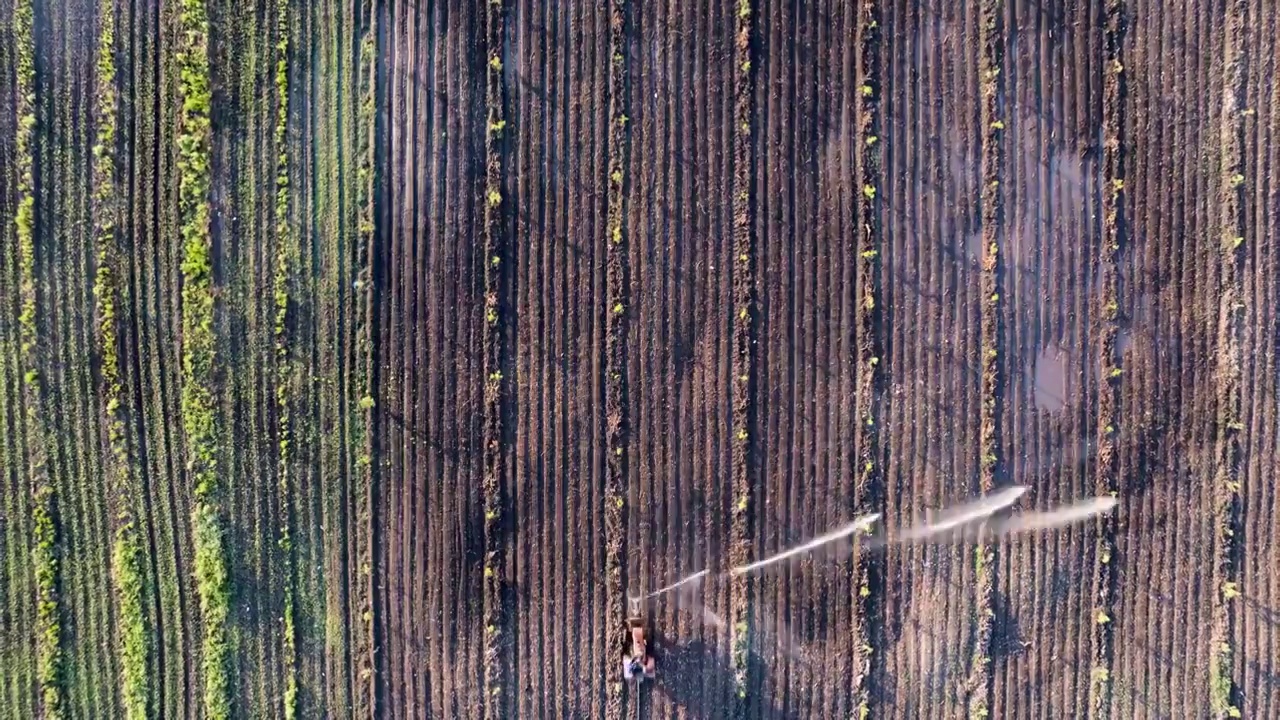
column 584, row 297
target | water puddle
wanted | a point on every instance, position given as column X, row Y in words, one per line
column 1051, row 379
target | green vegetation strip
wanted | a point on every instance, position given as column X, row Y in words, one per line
column 494, row 249
column 362, row 428
column 127, row 559
column 991, row 68
column 213, row 583
column 867, row 491
column 615, row 360
column 1113, row 95
column 1223, row 693
column 286, row 257
column 49, row 652
column 742, row 365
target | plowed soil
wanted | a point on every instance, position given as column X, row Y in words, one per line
column 521, row 306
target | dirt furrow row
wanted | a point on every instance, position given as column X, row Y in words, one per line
column 69, row 452
column 532, row 478
column 923, row 316
column 1255, row 632
column 1144, row 331
column 401, row 183
column 462, row 536
column 309, row 487
column 156, row 358
column 433, row 626
column 59, row 195
column 239, row 209
column 653, row 221
column 772, row 129
column 1048, row 355
column 1170, row 400
column 329, row 207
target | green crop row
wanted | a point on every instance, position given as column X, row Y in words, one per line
column 495, row 247
column 1235, row 201
column 362, row 427
column 126, row 557
column 991, row 68
column 867, row 485
column 615, row 323
column 742, row 364
column 49, row 654
column 1113, row 103
column 199, row 423
column 281, row 283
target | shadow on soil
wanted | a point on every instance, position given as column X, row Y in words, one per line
column 699, row 680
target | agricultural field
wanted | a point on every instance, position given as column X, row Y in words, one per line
column 358, row 358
